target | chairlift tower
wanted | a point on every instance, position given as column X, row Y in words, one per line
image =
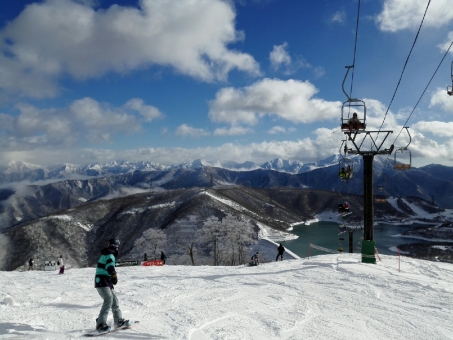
column 368, row 244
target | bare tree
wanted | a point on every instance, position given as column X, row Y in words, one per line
column 151, row 239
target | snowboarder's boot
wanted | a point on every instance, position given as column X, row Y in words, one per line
column 122, row 323
column 102, row 327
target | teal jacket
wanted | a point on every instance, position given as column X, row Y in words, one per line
column 105, row 268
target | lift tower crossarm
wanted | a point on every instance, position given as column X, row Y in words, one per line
column 377, row 149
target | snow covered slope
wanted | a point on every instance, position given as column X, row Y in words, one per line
column 326, row 297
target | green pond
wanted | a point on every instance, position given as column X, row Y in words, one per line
column 326, row 235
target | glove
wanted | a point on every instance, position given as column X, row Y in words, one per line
column 114, row 279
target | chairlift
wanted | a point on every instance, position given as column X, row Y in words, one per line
column 345, row 167
column 381, row 195
column 450, row 87
column 402, row 155
column 379, row 198
column 349, row 109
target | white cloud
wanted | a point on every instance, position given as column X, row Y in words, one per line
column 279, row 130
column 147, row 111
column 322, row 144
column 55, row 38
column 257, row 152
column 407, row 14
column 281, row 60
column 276, row 130
column 442, row 99
column 290, row 100
column 319, row 72
column 84, row 119
column 339, row 17
column 232, row 131
column 440, row 129
column 444, row 47
column 188, row 131
column 279, row 56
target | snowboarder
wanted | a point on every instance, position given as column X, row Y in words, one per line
column 104, row 280
column 340, row 208
column 255, row 260
column 61, row 264
column 280, row 249
column 30, row 265
column 163, row 257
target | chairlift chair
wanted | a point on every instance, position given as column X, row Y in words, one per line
column 381, row 195
column 345, row 167
column 404, row 160
column 380, row 198
column 348, row 109
column 351, row 106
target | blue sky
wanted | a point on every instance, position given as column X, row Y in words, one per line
column 169, row 81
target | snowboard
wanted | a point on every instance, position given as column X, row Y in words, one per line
column 111, row 330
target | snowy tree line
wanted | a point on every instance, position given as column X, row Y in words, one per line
column 227, row 240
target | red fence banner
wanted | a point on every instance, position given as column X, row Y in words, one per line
column 153, row 263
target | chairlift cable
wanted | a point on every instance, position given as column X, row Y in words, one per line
column 423, row 93
column 355, row 47
column 405, row 64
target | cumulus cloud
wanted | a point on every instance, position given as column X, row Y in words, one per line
column 446, row 45
column 440, row 129
column 148, row 112
column 84, row 119
column 290, row 100
column 440, row 98
column 55, row 38
column 275, row 130
column 407, row 14
column 321, row 144
column 232, row 131
column 188, row 131
column 279, row 56
column 281, row 60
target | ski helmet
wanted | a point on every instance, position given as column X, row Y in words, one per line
column 114, row 242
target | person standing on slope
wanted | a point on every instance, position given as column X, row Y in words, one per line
column 103, row 282
column 280, row 249
column 255, row 260
column 61, row 264
column 163, row 257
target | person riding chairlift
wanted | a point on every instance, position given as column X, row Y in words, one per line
column 346, row 207
column 348, row 174
column 354, row 122
column 342, row 173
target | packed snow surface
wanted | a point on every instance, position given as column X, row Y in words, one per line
column 324, row 297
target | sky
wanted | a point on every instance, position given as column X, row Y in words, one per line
column 332, row 296
column 169, row 81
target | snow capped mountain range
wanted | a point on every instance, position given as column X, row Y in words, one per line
column 18, row 171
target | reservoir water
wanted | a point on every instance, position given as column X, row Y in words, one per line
column 325, row 234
